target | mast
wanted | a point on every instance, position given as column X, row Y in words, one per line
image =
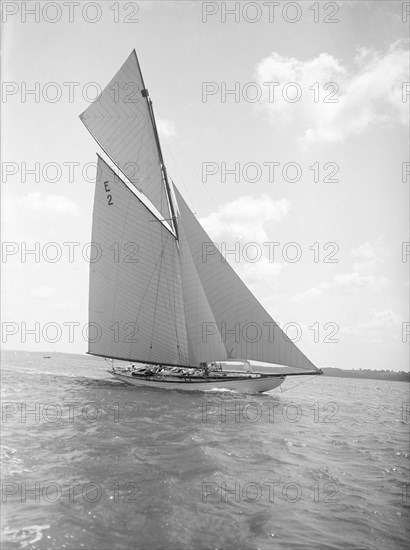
column 145, row 94
column 161, row 158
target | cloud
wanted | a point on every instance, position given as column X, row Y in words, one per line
column 369, row 93
column 240, row 226
column 385, row 320
column 166, row 128
column 42, row 292
column 369, row 257
column 262, row 272
column 28, row 216
column 38, row 203
column 364, row 273
column 245, row 217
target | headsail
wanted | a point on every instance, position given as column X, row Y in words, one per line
column 122, row 123
column 136, row 309
column 198, row 312
column 247, row 330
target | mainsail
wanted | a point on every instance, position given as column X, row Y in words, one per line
column 135, row 306
column 154, row 296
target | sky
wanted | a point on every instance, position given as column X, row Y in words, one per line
column 280, row 123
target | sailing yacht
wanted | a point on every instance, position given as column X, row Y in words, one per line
column 178, row 319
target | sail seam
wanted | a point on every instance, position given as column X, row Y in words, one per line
column 174, row 308
column 156, row 294
column 146, row 290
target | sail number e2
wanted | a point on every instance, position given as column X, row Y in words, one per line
column 107, row 190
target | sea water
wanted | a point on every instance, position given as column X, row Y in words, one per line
column 89, row 462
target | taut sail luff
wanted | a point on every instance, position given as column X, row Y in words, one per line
column 154, row 297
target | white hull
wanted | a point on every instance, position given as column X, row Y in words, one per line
column 245, row 385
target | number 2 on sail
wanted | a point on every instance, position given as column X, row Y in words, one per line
column 109, row 197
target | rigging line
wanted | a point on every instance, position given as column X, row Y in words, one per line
column 157, row 161
column 151, row 115
column 263, row 277
column 150, row 234
column 162, row 163
column 156, row 296
column 299, row 383
column 171, row 311
column 180, row 177
column 265, row 285
column 195, row 268
column 284, row 313
column 148, row 285
column 199, row 179
column 146, row 162
column 123, row 179
column 173, row 305
column 114, row 302
column 268, row 290
column 181, row 305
